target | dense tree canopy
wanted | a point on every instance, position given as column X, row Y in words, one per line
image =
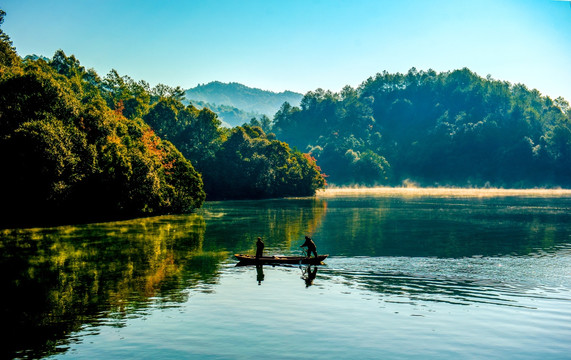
column 450, row 128
column 243, row 162
column 66, row 154
column 267, row 167
column 74, row 146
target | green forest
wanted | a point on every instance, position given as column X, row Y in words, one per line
column 77, row 146
column 434, row 129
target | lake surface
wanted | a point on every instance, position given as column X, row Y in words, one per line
column 427, row 274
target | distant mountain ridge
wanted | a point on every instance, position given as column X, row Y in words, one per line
column 242, row 97
column 229, row 115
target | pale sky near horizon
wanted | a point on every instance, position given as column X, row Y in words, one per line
column 301, row 45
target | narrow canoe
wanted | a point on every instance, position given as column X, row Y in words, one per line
column 276, row 259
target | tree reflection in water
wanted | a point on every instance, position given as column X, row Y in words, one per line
column 59, row 280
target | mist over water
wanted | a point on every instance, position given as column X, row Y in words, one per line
column 440, row 192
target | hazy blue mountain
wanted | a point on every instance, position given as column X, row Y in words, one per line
column 229, row 115
column 242, row 98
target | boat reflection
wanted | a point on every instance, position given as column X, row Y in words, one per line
column 308, row 272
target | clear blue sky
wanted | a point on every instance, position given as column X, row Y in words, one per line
column 301, row 45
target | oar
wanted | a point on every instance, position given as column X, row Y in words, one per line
column 302, row 255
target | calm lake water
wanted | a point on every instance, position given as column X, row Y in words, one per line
column 410, row 274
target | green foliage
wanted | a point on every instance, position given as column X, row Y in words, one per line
column 196, row 133
column 76, row 146
column 9, row 61
column 451, row 128
column 66, row 154
column 249, row 165
column 240, row 163
column 263, row 122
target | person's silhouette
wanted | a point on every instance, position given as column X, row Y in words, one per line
column 259, row 248
column 311, row 248
column 309, row 275
column 260, row 273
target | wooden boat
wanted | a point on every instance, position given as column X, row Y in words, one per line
column 277, row 259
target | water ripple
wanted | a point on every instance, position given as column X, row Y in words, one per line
column 499, row 281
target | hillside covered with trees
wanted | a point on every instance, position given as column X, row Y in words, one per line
column 66, row 153
column 243, row 162
column 247, row 99
column 452, row 128
column 75, row 146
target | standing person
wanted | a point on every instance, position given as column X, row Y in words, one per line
column 259, row 248
column 310, row 246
